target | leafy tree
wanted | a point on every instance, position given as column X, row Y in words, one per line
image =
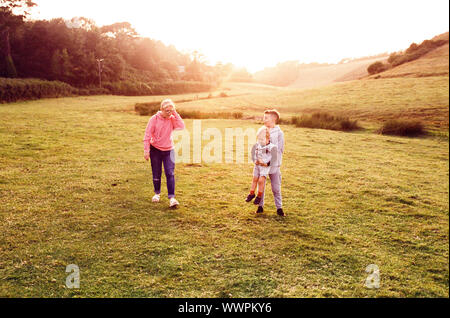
column 68, row 51
column 120, row 29
column 241, row 75
column 193, row 71
column 20, row 6
column 377, row 67
column 8, row 21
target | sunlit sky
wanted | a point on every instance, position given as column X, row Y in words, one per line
column 259, row 33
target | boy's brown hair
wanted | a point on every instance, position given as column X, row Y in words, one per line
column 273, row 112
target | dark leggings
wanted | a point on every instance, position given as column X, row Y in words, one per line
column 158, row 158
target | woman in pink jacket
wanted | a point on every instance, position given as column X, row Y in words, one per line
column 159, row 148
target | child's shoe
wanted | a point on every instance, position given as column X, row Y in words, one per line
column 260, row 209
column 250, row 197
column 173, row 203
column 257, row 200
column 280, row 212
column 156, row 198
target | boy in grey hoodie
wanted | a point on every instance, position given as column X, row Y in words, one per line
column 271, row 117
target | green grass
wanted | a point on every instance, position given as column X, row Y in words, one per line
column 323, row 120
column 371, row 102
column 74, row 188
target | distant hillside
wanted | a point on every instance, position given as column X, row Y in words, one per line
column 434, row 63
column 443, row 36
column 325, row 75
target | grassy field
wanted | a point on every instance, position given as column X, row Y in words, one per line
column 370, row 101
column 74, row 189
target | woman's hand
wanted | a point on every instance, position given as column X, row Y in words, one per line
column 146, row 156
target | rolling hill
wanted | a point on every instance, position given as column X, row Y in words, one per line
column 434, row 63
column 328, row 74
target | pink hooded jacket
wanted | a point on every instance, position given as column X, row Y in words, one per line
column 159, row 131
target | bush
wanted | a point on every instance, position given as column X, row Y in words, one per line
column 377, row 67
column 179, row 87
column 12, row 90
column 415, row 51
column 196, row 114
column 409, row 128
column 157, row 88
column 393, row 57
column 97, row 91
column 146, row 109
column 128, row 88
column 238, row 115
column 83, row 92
column 283, row 121
column 324, row 120
column 412, row 48
column 295, row 121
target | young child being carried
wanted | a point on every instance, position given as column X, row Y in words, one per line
column 262, row 153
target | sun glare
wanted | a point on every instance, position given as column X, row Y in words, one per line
column 256, row 34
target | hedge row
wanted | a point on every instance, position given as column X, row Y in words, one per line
column 12, row 90
column 161, row 88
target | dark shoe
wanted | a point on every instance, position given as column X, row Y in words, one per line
column 280, row 212
column 257, row 200
column 260, row 209
column 249, row 197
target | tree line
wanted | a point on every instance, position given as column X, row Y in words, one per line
column 84, row 55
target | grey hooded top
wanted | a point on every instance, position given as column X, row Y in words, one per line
column 277, row 138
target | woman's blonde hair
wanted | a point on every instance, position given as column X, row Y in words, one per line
column 167, row 102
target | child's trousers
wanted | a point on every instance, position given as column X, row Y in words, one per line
column 275, row 182
column 159, row 158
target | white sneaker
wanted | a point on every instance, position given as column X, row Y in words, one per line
column 173, row 202
column 156, row 198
